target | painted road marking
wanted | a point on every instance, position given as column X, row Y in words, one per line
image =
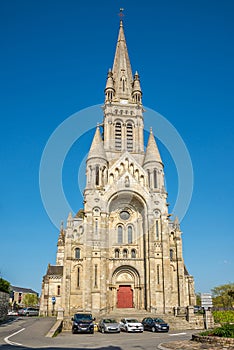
column 171, row 335
column 9, row 336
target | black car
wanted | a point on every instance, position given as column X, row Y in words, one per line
column 155, row 324
column 83, row 323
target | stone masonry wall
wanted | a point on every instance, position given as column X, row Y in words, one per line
column 4, row 301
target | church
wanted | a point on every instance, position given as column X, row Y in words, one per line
column 122, row 250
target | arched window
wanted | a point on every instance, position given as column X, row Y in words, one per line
column 129, row 234
column 148, row 172
column 96, row 226
column 78, row 277
column 171, row 254
column 157, row 229
column 133, row 253
column 129, row 137
column 117, row 253
column 58, row 290
column 155, row 179
column 77, row 253
column 97, row 175
column 118, row 136
column 120, row 234
column 125, row 253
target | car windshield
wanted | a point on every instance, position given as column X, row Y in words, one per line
column 158, row 320
column 131, row 320
column 109, row 320
column 79, row 317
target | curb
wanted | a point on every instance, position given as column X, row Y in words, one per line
column 162, row 347
column 57, row 327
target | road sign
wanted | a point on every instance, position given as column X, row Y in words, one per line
column 53, row 299
column 206, row 300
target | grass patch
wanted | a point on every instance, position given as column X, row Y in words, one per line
column 223, row 316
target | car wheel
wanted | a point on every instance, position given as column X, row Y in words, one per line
column 153, row 329
column 103, row 330
column 92, row 332
column 73, row 331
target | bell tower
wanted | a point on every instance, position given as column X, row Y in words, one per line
column 123, row 111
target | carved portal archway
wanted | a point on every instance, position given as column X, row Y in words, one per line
column 126, row 289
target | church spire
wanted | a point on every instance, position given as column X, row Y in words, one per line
column 152, row 154
column 97, row 149
column 122, row 71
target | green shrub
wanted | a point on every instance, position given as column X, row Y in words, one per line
column 224, row 316
column 227, row 331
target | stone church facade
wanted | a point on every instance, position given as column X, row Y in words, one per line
column 121, row 250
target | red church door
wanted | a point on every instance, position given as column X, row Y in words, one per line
column 124, row 297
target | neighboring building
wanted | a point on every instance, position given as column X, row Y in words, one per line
column 17, row 295
column 121, row 250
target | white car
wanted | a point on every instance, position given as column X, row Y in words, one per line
column 131, row 325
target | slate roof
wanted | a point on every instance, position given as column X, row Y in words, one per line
column 23, row 290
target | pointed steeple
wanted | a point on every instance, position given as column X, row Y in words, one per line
column 152, row 153
column 122, row 72
column 97, row 148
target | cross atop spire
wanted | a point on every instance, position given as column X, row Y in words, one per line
column 121, row 14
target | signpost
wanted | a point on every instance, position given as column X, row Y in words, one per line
column 53, row 299
column 207, row 304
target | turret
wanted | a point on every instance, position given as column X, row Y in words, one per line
column 153, row 165
column 136, row 89
column 96, row 164
column 109, row 90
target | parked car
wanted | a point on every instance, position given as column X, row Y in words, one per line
column 155, row 324
column 12, row 313
column 83, row 323
column 28, row 311
column 131, row 325
column 108, row 325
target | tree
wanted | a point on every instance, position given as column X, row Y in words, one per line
column 4, row 286
column 198, row 299
column 30, row 300
column 223, row 295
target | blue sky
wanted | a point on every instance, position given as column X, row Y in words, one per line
column 54, row 59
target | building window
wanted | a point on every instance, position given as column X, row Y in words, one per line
column 77, row 253
column 129, row 234
column 157, row 229
column 78, row 277
column 97, row 175
column 158, row 274
column 118, row 136
column 155, row 179
column 120, row 234
column 129, row 137
column 171, row 254
column 148, row 172
column 133, row 253
column 96, row 226
column 125, row 253
column 95, row 276
column 117, row 253
column 58, row 290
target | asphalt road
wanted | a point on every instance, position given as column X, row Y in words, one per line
column 29, row 333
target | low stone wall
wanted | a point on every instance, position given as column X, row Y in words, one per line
column 4, row 304
column 213, row 340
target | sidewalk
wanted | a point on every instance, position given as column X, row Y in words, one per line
column 192, row 345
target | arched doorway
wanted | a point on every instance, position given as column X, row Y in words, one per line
column 124, row 297
column 126, row 288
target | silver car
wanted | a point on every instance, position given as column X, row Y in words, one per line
column 108, row 325
column 28, row 311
